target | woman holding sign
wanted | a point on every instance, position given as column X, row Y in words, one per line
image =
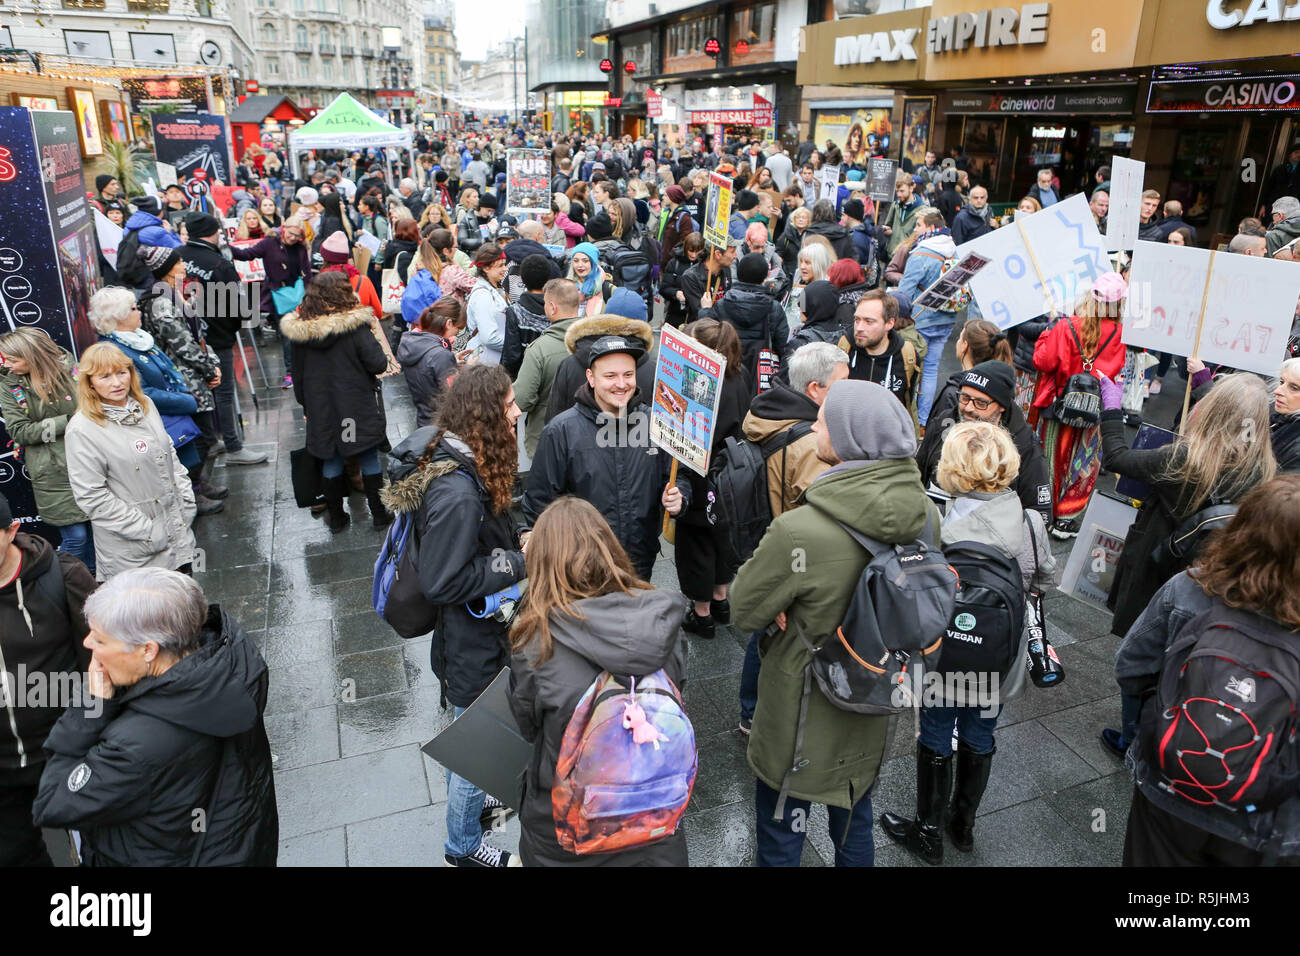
column 1085, row 344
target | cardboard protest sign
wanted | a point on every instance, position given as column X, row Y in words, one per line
column 1090, row 570
column 1248, row 305
column 109, row 234
column 250, row 270
column 528, row 181
column 881, row 175
column 684, row 410
column 949, row 283
column 828, row 180
column 717, row 210
column 1040, row 262
column 1126, row 177
column 484, row 745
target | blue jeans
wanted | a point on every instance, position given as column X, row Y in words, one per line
column 464, row 804
column 79, row 541
column 1130, row 709
column 749, row 678
column 368, row 459
column 936, row 337
column 286, row 348
column 780, row 842
column 975, row 731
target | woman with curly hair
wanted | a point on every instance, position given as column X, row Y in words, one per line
column 455, row 477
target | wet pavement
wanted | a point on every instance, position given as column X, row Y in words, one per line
column 351, row 702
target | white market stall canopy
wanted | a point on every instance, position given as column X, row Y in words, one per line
column 346, row 124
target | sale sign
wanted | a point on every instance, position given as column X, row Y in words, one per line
column 528, row 181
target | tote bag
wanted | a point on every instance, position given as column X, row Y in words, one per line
column 286, row 298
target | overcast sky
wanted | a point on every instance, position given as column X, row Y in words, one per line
column 481, row 24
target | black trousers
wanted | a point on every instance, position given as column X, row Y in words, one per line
column 1156, row 837
column 21, row 843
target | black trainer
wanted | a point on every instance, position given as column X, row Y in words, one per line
column 699, row 626
column 721, row 611
column 486, row 856
column 494, row 815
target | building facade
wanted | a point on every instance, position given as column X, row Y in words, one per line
column 496, row 86
column 564, row 63
column 441, row 65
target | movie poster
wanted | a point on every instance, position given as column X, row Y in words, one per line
column 193, row 142
column 860, row 134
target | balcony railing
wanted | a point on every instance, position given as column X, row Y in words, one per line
column 149, row 6
column 328, row 49
column 302, row 46
column 347, row 51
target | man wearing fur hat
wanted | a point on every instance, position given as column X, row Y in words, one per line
column 600, row 450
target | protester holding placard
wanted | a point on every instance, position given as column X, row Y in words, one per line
column 925, row 264
column 903, row 213
column 1085, row 344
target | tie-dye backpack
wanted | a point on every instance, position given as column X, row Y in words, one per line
column 627, row 765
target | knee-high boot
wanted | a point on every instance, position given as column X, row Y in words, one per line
column 336, row 490
column 381, row 515
column 923, row 837
column 972, row 779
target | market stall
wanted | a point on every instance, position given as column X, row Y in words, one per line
column 346, row 124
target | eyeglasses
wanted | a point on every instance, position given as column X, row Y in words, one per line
column 980, row 404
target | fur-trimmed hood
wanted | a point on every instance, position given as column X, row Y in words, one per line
column 406, row 494
column 318, row 331
column 409, row 479
column 598, row 325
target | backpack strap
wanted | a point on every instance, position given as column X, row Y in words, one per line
column 909, row 360
column 876, row 548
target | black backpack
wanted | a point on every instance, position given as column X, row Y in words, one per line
column 632, row 269
column 1221, row 729
column 738, row 493
column 521, row 328
column 1079, row 404
column 1181, row 548
column 131, row 270
column 983, row 635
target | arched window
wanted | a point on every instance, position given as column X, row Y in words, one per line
column 268, row 32
column 302, row 35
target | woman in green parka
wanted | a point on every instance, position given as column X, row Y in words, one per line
column 37, row 397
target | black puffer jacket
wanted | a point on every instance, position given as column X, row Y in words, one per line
column 633, row 633
column 1286, row 441
column 670, row 282
column 468, row 235
column 336, row 359
column 1032, row 484
column 191, row 738
column 220, row 300
column 759, row 322
column 37, row 634
column 821, row 322
column 623, row 478
column 836, row 235
column 428, row 364
column 1027, row 334
column 467, row 552
column 788, row 245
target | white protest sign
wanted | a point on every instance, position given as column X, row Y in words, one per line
column 1250, row 304
column 166, row 174
column 829, row 178
column 1064, row 242
column 109, row 234
column 368, row 242
column 1126, row 177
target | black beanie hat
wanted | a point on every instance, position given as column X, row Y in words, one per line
column 746, row 200
column 159, row 259
column 200, row 224
column 752, row 268
column 487, row 201
column 102, row 180
column 995, row 379
column 599, row 226
column 854, row 209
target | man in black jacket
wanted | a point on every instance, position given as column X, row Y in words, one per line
column 709, row 279
column 758, row 318
column 991, row 384
column 600, row 451
column 223, row 301
column 42, row 625
column 879, row 354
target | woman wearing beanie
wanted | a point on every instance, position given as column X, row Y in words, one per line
column 1089, row 341
column 339, row 354
column 38, row 395
column 593, row 285
column 337, row 257
column 162, row 315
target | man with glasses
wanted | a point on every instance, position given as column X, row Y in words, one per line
column 987, row 393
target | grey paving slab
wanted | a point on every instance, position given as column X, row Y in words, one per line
column 414, row 838
column 303, row 737
column 1097, row 812
column 322, row 848
column 371, row 674
column 349, row 790
column 1079, row 728
column 724, row 836
column 391, row 720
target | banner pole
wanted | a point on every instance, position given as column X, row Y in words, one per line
column 672, row 480
column 1033, row 260
column 1196, row 345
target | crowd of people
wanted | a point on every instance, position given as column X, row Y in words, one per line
column 543, row 331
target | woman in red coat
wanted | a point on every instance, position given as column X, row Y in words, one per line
column 1087, row 341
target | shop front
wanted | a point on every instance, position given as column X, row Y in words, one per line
column 716, row 115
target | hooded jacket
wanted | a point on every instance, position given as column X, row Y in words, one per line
column 160, row 380
column 792, row 469
column 902, row 221
column 38, row 427
column 843, row 750
column 759, row 322
column 536, row 379
column 571, row 375
column 634, row 633
column 190, row 738
column 1284, row 232
column 429, row 365
column 171, row 331
column 151, row 230
column 623, row 477
column 40, row 634
column 1285, row 430
column 1032, row 484
column 670, row 281
column 924, row 266
column 222, row 313
column 467, row 552
column 127, row 479
column 837, row 236
column 998, row 519
column 821, row 311
column 896, row 368
column 337, row 359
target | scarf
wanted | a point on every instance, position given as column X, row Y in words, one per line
column 345, row 267
column 983, row 214
column 130, row 414
column 137, row 339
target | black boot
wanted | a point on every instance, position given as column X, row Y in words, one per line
column 336, row 490
column 381, row 515
column 972, row 778
column 923, row 837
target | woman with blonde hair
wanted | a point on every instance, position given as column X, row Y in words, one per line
column 977, row 466
column 586, row 612
column 38, row 395
column 124, row 472
column 250, row 225
column 1212, row 464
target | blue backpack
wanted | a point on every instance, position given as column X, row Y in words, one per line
column 396, row 593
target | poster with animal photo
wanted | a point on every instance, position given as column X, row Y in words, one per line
column 918, row 114
column 82, row 103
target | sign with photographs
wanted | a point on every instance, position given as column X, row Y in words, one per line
column 1090, row 569
column 687, row 389
column 717, row 210
column 950, row 283
column 528, row 181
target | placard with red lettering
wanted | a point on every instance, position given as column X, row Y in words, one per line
column 1249, row 306
column 528, row 181
column 250, row 270
column 684, row 407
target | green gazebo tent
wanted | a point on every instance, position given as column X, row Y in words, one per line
column 346, row 124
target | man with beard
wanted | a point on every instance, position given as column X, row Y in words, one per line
column 879, row 354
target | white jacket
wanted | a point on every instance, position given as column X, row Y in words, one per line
column 486, row 321
column 127, row 479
